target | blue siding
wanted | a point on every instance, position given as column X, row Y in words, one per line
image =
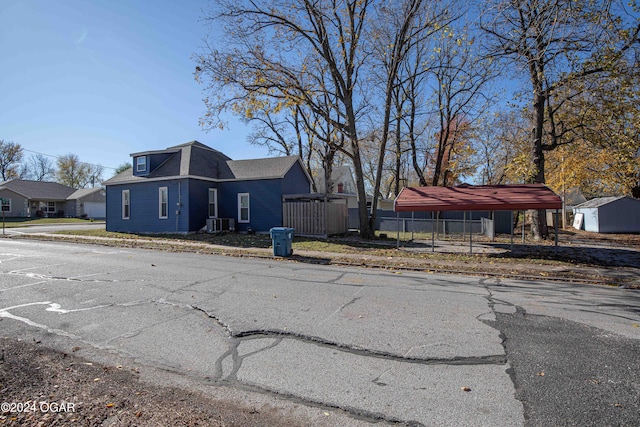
column 296, row 181
column 199, row 203
column 135, row 166
column 153, row 161
column 144, row 215
column 265, row 203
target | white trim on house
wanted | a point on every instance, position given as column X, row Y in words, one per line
column 213, row 203
column 126, row 204
column 163, row 202
column 241, row 208
column 141, row 164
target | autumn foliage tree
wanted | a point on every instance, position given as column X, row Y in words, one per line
column 605, row 157
column 555, row 44
column 74, row 173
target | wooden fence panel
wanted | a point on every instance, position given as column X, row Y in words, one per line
column 315, row 218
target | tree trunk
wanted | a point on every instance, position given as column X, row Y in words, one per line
column 539, row 227
column 366, row 231
column 398, row 136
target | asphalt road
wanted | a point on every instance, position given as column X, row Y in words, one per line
column 359, row 345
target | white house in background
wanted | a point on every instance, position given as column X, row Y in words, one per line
column 345, row 185
column 609, row 215
column 341, row 177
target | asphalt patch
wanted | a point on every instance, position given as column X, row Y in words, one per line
column 569, row 374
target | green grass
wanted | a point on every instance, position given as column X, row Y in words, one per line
column 24, row 222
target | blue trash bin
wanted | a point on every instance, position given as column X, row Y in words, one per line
column 282, row 238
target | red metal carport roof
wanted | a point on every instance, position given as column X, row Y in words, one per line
column 516, row 197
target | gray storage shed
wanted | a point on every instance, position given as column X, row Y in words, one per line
column 610, row 215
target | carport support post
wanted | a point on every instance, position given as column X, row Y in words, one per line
column 470, row 234
column 398, row 229
column 511, row 231
column 524, row 222
column 557, row 225
column 464, row 224
column 412, row 224
column 433, row 235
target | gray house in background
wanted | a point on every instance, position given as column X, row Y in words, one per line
column 31, row 199
column 610, row 215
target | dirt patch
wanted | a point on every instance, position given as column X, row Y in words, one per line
column 43, row 387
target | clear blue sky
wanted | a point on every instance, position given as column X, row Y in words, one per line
column 105, row 78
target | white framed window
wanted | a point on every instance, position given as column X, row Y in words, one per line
column 163, row 203
column 141, row 164
column 126, row 205
column 6, row 205
column 213, row 203
column 51, row 207
column 243, row 207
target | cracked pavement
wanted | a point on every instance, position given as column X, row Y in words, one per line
column 365, row 345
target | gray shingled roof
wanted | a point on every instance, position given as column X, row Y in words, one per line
column 596, row 203
column 38, row 190
column 274, row 167
column 82, row 192
column 196, row 159
column 124, row 176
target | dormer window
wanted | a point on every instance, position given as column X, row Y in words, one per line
column 141, row 164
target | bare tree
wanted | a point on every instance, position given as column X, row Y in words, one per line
column 502, row 157
column 10, row 157
column 41, row 168
column 296, row 53
column 459, row 79
column 398, row 30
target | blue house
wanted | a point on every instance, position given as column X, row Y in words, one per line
column 178, row 189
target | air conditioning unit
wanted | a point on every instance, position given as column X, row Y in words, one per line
column 216, row 225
